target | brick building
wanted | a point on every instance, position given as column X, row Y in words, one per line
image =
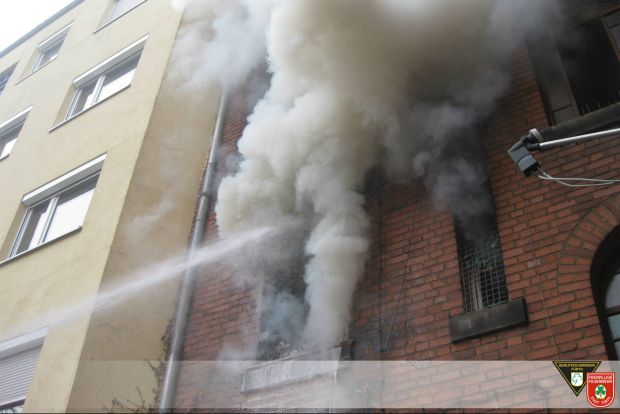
column 540, row 285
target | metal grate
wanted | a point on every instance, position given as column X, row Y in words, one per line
column 482, row 268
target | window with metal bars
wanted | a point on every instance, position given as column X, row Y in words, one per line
column 481, row 264
column 578, row 68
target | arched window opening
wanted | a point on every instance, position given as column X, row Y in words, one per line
column 612, row 309
column 606, row 288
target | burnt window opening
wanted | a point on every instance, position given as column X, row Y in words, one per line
column 483, row 280
column 578, row 70
column 283, row 312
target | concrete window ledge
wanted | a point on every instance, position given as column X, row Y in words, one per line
column 287, row 371
column 486, row 321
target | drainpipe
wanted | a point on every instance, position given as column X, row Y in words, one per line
column 189, row 276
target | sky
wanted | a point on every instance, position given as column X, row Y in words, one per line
column 19, row 17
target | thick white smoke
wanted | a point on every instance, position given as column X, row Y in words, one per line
column 355, row 83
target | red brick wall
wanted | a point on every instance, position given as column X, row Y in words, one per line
column 536, row 222
column 549, row 234
column 221, row 310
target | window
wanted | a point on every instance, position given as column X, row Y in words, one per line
column 283, row 310
column 57, row 208
column 8, row 139
column 612, row 309
column 48, row 49
column 13, row 408
column 481, row 264
column 606, row 287
column 18, row 360
column 107, row 79
column 579, row 72
column 121, row 7
column 4, row 77
column 9, row 131
column 55, row 216
column 487, row 308
column 104, row 86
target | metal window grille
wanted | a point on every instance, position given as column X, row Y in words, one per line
column 4, row 78
column 483, row 279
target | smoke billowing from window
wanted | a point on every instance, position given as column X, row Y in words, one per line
column 355, row 84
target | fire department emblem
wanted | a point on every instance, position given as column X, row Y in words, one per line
column 601, row 388
column 574, row 373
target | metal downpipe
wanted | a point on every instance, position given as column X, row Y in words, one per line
column 189, row 276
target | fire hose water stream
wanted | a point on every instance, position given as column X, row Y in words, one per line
column 140, row 282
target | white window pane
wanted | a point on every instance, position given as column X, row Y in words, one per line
column 612, row 296
column 7, row 147
column 118, row 78
column 71, row 210
column 8, row 139
column 85, row 97
column 33, row 228
column 123, row 6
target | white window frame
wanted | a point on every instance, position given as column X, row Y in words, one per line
column 110, row 17
column 12, row 123
column 99, row 72
column 23, row 343
column 51, row 192
column 47, row 44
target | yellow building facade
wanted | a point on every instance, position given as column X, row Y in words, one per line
column 99, row 182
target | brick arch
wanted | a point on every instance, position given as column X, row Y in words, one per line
column 588, row 246
column 582, row 244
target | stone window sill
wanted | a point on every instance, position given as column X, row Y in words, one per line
column 295, row 369
column 489, row 320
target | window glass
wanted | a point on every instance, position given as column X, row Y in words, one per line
column 16, row 408
column 8, row 139
column 85, row 97
column 4, row 77
column 33, row 230
column 56, row 216
column 121, row 7
column 118, row 78
column 105, row 85
column 71, row 210
column 48, row 54
column 612, row 296
column 614, row 326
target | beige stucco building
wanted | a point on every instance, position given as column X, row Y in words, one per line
column 98, row 182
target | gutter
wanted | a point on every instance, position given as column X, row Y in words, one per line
column 188, row 279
